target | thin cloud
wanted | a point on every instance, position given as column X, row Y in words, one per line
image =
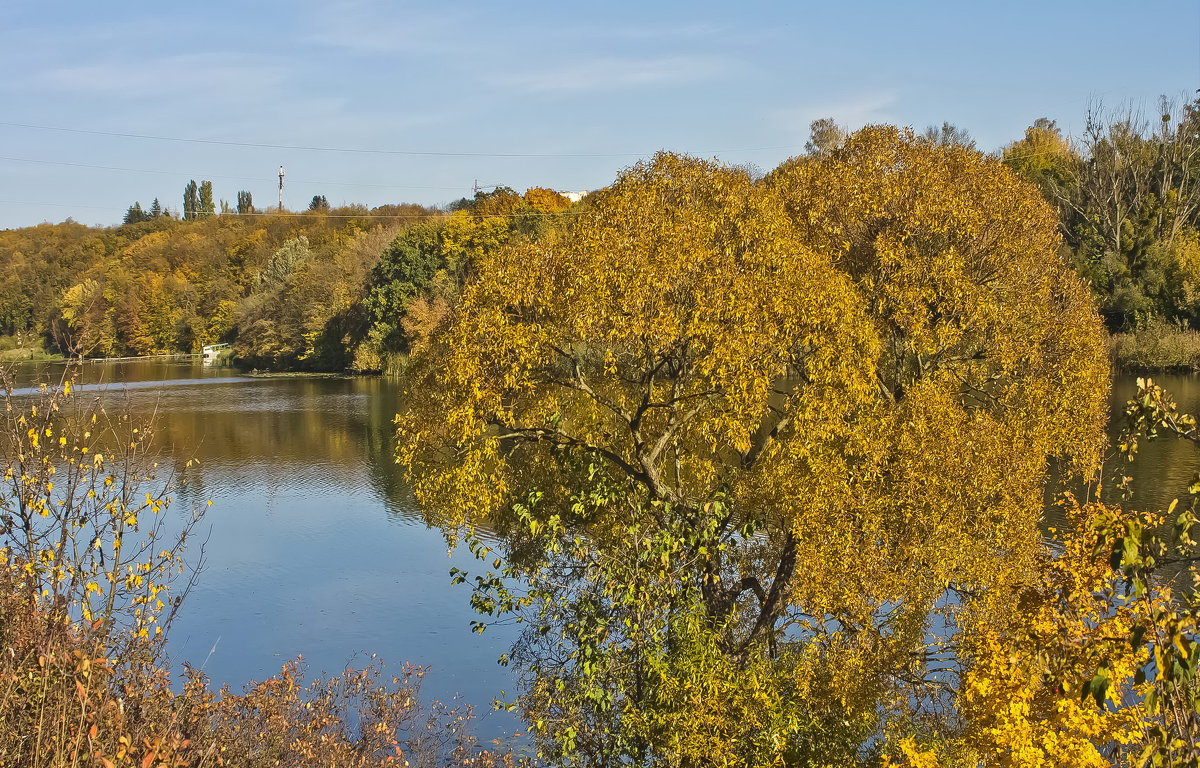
column 214, row 94
column 690, row 30
column 199, row 73
column 854, row 112
column 607, row 74
column 374, row 28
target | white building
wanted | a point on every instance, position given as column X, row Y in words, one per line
column 211, row 352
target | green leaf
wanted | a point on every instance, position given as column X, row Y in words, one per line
column 1137, row 636
column 1098, row 686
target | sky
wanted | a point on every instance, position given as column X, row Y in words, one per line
column 373, row 102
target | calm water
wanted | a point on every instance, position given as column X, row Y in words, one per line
column 1164, row 468
column 315, row 548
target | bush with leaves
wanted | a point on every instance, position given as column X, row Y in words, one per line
column 89, row 553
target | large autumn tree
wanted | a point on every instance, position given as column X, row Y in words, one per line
column 750, row 444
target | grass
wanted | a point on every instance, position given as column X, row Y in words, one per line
column 1159, row 347
column 28, row 354
column 20, row 348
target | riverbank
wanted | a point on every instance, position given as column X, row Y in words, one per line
column 1153, row 350
column 28, row 355
column 1159, row 348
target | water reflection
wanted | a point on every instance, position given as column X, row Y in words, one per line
column 312, row 544
column 1165, row 467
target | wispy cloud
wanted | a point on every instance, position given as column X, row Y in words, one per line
column 604, row 74
column 375, row 28
column 220, row 94
column 852, row 112
column 687, row 30
column 197, row 74
column 211, row 95
column 72, row 35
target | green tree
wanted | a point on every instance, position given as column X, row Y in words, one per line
column 135, row 215
column 206, row 206
column 1128, row 202
column 191, row 200
column 404, row 270
column 720, row 425
column 155, row 209
column 245, row 202
column 318, row 203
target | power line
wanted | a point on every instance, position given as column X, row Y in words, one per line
column 62, row 205
column 359, row 150
column 315, row 214
column 182, row 174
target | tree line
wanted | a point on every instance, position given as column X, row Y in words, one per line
column 355, row 287
column 1127, row 196
column 327, row 289
column 1127, row 193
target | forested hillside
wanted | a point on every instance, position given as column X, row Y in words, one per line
column 325, row 289
column 356, row 288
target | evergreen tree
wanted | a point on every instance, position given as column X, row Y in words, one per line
column 319, row 203
column 245, row 202
column 155, row 209
column 191, row 200
column 135, row 214
column 206, row 199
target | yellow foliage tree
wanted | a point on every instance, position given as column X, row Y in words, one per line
column 466, row 238
column 803, row 410
column 1049, row 678
column 545, row 200
column 1045, row 157
column 88, row 328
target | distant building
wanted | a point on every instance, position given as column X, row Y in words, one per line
column 575, row 197
column 211, row 352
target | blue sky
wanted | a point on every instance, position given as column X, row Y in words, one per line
column 588, row 86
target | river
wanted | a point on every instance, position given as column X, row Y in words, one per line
column 312, row 544
column 314, row 547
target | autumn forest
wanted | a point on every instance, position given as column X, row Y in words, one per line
column 352, row 288
column 753, row 463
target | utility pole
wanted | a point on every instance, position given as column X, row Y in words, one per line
column 281, row 188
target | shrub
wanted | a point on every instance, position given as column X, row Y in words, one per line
column 1159, row 346
column 88, row 559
